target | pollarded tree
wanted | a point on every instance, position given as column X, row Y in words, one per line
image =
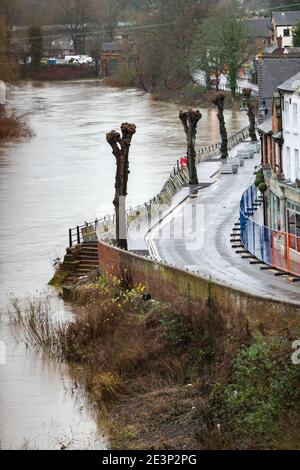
column 251, row 114
column 120, row 145
column 190, row 119
column 219, row 102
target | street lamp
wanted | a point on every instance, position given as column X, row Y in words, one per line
column 263, row 109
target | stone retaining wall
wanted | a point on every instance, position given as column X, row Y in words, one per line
column 186, row 290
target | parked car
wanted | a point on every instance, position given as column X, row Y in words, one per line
column 53, row 61
column 78, row 59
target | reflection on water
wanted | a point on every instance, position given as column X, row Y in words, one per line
column 59, row 178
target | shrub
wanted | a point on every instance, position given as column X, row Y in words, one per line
column 262, row 187
column 13, row 126
column 264, row 386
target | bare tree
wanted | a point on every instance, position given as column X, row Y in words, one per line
column 6, row 66
column 219, row 103
column 251, row 114
column 190, row 121
column 78, row 16
column 109, row 13
column 120, row 149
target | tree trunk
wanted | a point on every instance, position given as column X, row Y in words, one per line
column 120, row 149
column 207, row 80
column 189, row 121
column 251, row 115
column 219, row 102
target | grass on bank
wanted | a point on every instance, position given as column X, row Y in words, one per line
column 167, row 379
column 13, row 126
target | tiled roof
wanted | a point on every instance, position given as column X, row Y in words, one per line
column 286, row 18
column 111, row 47
column 266, row 126
column 273, row 71
column 292, row 84
column 257, row 27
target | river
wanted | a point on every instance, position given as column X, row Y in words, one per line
column 61, row 177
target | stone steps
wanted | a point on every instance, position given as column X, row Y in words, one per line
column 87, row 261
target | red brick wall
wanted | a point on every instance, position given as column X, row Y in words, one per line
column 189, row 291
column 60, row 72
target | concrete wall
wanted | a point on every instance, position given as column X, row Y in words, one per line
column 185, row 290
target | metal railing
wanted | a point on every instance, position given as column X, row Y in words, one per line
column 225, row 87
column 278, row 249
column 104, row 228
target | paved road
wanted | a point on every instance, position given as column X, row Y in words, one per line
column 206, row 248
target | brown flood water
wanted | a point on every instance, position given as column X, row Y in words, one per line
column 62, row 177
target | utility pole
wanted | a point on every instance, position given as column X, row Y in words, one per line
column 120, row 148
column 189, row 121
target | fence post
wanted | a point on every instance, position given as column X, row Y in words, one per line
column 78, row 234
column 70, row 238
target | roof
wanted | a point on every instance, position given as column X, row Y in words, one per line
column 292, row 50
column 266, row 126
column 257, row 27
column 292, row 84
column 112, row 47
column 273, row 71
column 286, row 18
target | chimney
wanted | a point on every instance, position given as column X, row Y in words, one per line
column 279, row 42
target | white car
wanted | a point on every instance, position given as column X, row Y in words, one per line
column 79, row 59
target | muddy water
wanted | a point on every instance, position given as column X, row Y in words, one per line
column 62, row 177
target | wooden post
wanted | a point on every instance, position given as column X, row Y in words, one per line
column 189, row 121
column 120, row 149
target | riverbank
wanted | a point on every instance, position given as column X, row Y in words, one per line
column 191, row 94
column 63, row 72
column 166, row 379
column 43, row 177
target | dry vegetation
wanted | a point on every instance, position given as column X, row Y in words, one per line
column 167, row 380
column 13, row 126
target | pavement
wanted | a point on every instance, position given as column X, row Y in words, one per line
column 196, row 235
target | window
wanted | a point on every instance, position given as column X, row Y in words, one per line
column 295, row 116
column 286, row 33
column 297, row 164
column 286, row 113
column 294, row 229
column 288, row 163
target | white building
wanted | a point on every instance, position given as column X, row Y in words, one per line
column 290, row 93
column 282, row 24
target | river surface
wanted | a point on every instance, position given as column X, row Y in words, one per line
column 59, row 178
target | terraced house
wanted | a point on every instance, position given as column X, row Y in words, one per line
column 280, row 136
column 282, row 24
